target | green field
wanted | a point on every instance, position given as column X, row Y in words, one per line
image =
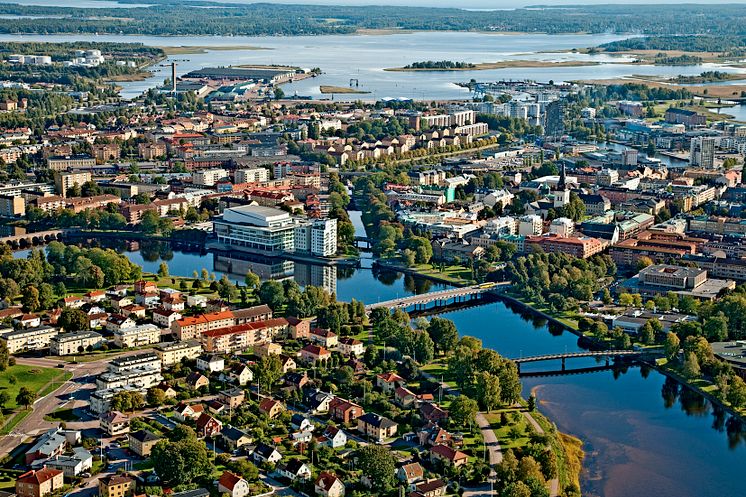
column 40, row 380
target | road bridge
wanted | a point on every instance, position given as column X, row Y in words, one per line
column 440, row 298
column 28, row 240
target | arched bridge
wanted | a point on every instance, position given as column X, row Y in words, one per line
column 572, row 355
column 28, row 240
column 441, row 297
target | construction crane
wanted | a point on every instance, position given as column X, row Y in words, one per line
column 172, row 65
column 357, row 83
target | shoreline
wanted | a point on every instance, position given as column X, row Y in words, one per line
column 503, row 64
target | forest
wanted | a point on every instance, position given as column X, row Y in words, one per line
column 171, row 17
column 702, row 43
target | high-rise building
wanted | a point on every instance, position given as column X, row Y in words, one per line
column 554, row 119
column 702, row 152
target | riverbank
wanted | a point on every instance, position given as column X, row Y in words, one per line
column 327, row 89
column 503, row 64
column 202, row 49
column 728, row 92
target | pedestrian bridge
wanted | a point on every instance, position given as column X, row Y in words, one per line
column 607, row 354
column 440, row 298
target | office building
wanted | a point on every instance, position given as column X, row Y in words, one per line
column 702, row 152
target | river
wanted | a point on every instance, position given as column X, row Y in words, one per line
column 643, row 434
column 364, row 57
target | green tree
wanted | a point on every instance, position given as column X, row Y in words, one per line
column 463, row 410
column 163, row 270
column 671, row 345
column 691, row 366
column 272, row 293
column 488, row 390
column 181, row 461
column 73, row 320
column 30, row 299
column 25, row 397
column 269, row 371
column 156, row 397
column 379, row 465
column 252, row 280
column 4, row 399
column 443, row 333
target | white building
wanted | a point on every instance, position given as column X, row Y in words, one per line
column 702, row 152
column 208, row 177
column 136, row 336
column 562, row 226
column 317, row 238
column 257, row 175
column 530, row 225
column 75, row 343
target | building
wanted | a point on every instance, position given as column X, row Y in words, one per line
column 262, row 228
column 12, row 206
column 63, row 163
column 141, row 378
column 39, row 483
column 142, row 442
column 72, row 465
column 208, row 177
column 114, row 423
column 29, row 339
column 310, row 354
column 375, row 427
column 582, row 247
column 659, row 279
column 271, row 408
column 318, row 237
column 702, row 152
column 233, row 485
column 137, row 336
column 351, row 346
column 171, row 353
column 146, row 360
column 233, row 438
column 193, row 327
column 116, row 486
column 683, row 116
column 530, row 225
column 75, row 342
column 448, row 456
column 328, row 485
column 256, row 175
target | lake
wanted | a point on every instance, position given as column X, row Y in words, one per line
column 364, row 57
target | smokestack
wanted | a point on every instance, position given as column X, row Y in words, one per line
column 173, row 78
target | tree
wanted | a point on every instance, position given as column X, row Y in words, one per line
column 73, row 320
column 272, row 293
column 4, row 399
column 163, row 270
column 252, row 280
column 532, row 403
column 269, row 371
column 444, row 334
column 150, row 222
column 25, row 397
column 181, row 461
column 647, row 335
column 30, row 299
column 715, row 328
column 644, row 262
column 463, row 410
column 488, row 390
column 378, row 464
column 691, row 366
column 156, row 397
column 671, row 345
column 4, row 356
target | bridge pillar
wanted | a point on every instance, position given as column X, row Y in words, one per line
column 563, row 364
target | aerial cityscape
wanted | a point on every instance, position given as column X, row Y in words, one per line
column 387, row 249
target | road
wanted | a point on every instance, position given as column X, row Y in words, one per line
column 490, row 441
column 553, row 484
column 79, row 387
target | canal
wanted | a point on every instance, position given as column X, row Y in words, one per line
column 643, row 434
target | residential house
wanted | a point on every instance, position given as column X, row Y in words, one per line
column 296, row 380
column 333, row 437
column 349, row 346
column 328, row 485
column 324, row 338
column 299, row 328
column 212, row 363
column 344, row 410
column 72, row 465
column 207, row 426
column 375, row 427
column 197, row 380
column 266, row 453
column 233, row 485
column 403, row 397
column 318, row 402
column 287, row 363
column 234, row 438
column 141, row 442
column 295, row 470
column 270, row 407
column 267, row 349
column 241, row 374
column 311, row 354
column 39, row 483
column 299, row 422
column 182, row 412
column 411, row 474
column 232, row 397
column 447, row 456
column 115, row 423
column 389, row 382
column 432, row 488
column 431, row 412
column 116, row 486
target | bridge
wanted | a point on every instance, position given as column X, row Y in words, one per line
column 440, row 298
column 363, row 241
column 607, row 354
column 28, row 240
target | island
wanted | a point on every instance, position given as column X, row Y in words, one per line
column 483, row 66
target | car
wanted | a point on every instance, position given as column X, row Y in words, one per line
column 85, row 475
column 114, row 445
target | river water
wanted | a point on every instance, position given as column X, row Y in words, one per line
column 643, row 435
column 364, row 57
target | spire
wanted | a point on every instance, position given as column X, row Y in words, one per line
column 562, row 184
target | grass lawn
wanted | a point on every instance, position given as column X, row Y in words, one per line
column 37, row 379
column 15, row 418
column 63, row 414
column 503, row 433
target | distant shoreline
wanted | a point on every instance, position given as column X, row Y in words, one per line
column 503, row 64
